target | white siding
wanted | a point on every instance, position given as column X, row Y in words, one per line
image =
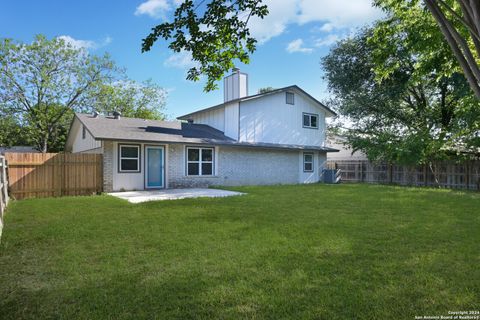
column 214, row 118
column 232, row 113
column 131, row 180
column 243, row 85
column 319, row 159
column 235, row 86
column 89, row 144
column 271, row 120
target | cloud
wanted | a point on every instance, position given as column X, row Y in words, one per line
column 78, row 44
column 327, row 27
column 338, row 14
column 154, row 8
column 327, row 41
column 85, row 44
column 297, row 46
column 180, row 60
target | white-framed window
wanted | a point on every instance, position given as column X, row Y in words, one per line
column 310, row 120
column 290, row 97
column 128, row 158
column 84, row 132
column 200, row 161
column 307, row 162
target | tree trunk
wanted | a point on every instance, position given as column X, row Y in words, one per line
column 459, row 45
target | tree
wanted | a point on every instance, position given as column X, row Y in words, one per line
column 215, row 37
column 41, row 83
column 470, row 9
column 137, row 100
column 410, row 117
column 10, row 132
column 44, row 83
column 265, row 89
column 459, row 22
column 219, row 35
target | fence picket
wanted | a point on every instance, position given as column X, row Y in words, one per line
column 40, row 175
column 464, row 175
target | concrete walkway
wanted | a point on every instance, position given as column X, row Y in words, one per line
column 172, row 194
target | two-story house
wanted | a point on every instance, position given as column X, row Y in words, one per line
column 276, row 137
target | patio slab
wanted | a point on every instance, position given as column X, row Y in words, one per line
column 172, row 194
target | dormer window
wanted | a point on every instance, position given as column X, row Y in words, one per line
column 290, row 97
column 310, row 120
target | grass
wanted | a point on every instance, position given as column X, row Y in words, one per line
column 280, row 252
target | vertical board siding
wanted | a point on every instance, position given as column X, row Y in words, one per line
column 39, row 175
column 463, row 175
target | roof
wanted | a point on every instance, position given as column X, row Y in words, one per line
column 155, row 131
column 108, row 128
column 259, row 95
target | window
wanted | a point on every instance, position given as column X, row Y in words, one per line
column 200, row 161
column 307, row 162
column 310, row 120
column 84, row 132
column 128, row 158
column 290, row 97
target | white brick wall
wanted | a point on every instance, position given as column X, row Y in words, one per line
column 236, row 166
column 108, row 166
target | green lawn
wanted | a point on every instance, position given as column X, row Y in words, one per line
column 281, row 252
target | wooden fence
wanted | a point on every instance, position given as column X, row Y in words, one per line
column 38, row 175
column 3, row 190
column 464, row 175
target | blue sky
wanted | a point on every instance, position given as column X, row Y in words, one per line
column 293, row 38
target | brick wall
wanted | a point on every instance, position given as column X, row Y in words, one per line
column 107, row 166
column 237, row 166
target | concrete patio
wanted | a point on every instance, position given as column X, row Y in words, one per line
column 172, row 194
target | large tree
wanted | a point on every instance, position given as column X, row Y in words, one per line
column 410, row 116
column 144, row 100
column 459, row 23
column 44, row 82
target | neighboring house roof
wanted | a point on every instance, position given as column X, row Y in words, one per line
column 28, row 149
column 344, row 151
column 133, row 129
column 256, row 96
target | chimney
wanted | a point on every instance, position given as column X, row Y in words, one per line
column 116, row 115
column 235, row 86
column 95, row 114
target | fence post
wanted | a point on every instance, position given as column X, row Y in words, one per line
column 4, row 181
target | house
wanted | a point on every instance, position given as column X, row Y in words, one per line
column 276, row 137
column 345, row 153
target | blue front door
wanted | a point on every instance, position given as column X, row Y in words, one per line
column 154, row 167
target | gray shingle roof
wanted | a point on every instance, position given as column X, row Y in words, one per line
column 108, row 128
column 133, row 129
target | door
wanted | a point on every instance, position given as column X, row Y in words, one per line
column 154, row 167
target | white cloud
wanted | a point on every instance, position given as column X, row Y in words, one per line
column 297, row 46
column 327, row 27
column 154, row 8
column 327, row 41
column 85, row 44
column 337, row 14
column 181, row 60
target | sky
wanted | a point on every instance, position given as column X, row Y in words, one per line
column 292, row 40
